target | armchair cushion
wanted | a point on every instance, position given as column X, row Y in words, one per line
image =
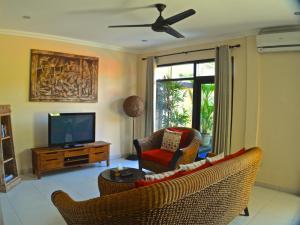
column 159, row 156
column 171, row 140
column 184, row 141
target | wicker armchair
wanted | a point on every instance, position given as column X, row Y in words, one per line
column 186, row 153
column 212, row 196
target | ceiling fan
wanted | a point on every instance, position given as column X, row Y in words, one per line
column 163, row 25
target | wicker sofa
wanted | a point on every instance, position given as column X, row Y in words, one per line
column 215, row 195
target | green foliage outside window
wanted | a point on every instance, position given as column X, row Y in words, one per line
column 207, row 108
column 170, row 97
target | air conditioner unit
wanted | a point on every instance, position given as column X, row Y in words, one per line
column 277, row 39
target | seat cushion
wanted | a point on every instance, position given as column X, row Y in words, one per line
column 160, row 156
column 184, row 141
column 234, row 155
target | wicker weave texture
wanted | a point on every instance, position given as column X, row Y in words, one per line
column 108, row 187
column 213, row 196
column 155, row 140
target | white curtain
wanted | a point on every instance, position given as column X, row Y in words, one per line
column 151, row 65
column 223, row 101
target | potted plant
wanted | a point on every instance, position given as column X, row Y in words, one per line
column 207, row 110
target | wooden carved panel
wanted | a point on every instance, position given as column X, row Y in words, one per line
column 61, row 77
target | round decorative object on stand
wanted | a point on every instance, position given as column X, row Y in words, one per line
column 133, row 106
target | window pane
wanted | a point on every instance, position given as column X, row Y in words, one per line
column 173, row 104
column 182, row 71
column 163, row 72
column 171, row 72
column 207, row 108
column 205, row 69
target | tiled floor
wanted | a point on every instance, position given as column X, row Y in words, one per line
column 29, row 203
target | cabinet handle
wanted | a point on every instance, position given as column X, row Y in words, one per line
column 97, row 153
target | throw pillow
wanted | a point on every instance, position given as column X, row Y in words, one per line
column 215, row 158
column 171, row 140
column 191, row 166
column 160, row 176
column 184, row 141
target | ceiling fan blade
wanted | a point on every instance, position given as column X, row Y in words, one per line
column 180, row 16
column 173, row 32
column 137, row 25
column 109, row 10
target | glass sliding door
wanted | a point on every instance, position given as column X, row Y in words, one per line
column 184, row 95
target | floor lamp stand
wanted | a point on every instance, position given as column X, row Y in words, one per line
column 131, row 155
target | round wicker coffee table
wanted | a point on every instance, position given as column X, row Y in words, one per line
column 109, row 184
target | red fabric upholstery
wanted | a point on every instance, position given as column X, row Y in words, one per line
column 236, row 154
column 143, row 183
column 159, row 156
column 184, row 136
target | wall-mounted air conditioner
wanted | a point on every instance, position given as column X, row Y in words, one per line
column 276, row 39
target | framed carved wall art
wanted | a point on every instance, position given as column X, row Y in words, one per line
column 61, row 77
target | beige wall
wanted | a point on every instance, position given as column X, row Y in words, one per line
column 266, row 106
column 279, row 123
column 116, row 81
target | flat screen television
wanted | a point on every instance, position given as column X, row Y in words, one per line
column 71, row 129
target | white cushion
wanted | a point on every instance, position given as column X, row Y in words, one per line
column 171, row 140
column 215, row 158
column 161, row 175
column 191, row 166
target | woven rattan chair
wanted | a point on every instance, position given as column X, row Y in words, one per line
column 186, row 153
column 212, row 196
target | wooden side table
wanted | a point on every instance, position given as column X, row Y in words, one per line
column 109, row 184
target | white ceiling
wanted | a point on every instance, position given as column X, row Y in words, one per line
column 88, row 19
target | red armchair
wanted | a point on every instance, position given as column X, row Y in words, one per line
column 152, row 158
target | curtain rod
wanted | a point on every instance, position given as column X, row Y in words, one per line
column 198, row 50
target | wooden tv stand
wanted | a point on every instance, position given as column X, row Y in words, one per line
column 48, row 159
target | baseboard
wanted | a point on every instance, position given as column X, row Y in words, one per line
column 277, row 188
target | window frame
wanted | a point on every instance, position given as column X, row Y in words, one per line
column 197, row 82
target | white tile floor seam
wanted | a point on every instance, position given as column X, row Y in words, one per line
column 29, row 203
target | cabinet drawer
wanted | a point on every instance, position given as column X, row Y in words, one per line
column 99, row 149
column 76, row 152
column 51, row 164
column 52, row 155
column 98, row 156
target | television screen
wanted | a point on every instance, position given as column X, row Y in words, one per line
column 71, row 128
